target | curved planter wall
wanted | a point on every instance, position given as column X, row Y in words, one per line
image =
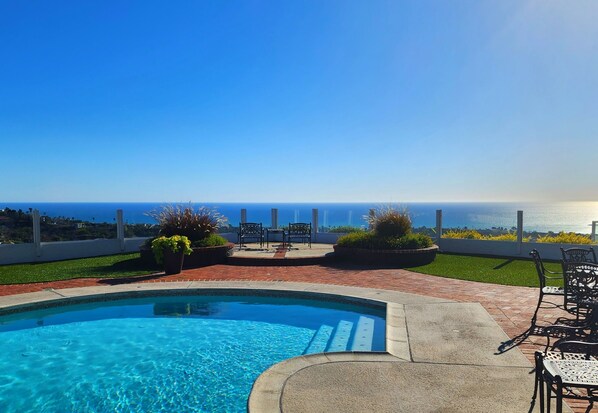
column 396, row 258
column 200, row 257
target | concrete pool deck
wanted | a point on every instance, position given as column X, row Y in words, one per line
column 441, row 355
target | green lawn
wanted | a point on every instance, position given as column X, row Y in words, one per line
column 112, row 266
column 507, row 271
column 491, row 270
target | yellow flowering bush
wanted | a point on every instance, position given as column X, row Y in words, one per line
column 565, row 238
column 176, row 243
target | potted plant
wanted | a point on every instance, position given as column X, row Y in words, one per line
column 200, row 226
column 171, row 251
column 390, row 242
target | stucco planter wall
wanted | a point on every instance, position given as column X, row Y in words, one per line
column 395, row 258
column 200, row 257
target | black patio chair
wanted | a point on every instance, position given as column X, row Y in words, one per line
column 570, row 371
column 586, row 332
column 299, row 231
column 250, row 231
column 579, row 255
column 545, row 290
column 580, row 287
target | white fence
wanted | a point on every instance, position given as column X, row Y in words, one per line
column 53, row 251
column 63, row 250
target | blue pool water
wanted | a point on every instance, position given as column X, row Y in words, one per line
column 167, row 354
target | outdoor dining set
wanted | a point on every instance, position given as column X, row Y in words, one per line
column 568, row 367
column 255, row 232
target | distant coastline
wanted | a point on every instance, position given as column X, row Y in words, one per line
column 570, row 216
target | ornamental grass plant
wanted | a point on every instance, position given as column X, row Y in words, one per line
column 389, row 221
column 196, row 224
column 391, row 230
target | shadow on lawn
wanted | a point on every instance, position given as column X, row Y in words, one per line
column 504, row 264
column 120, row 272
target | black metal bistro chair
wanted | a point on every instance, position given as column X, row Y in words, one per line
column 545, row 290
column 565, row 334
column 579, row 255
column 581, row 287
column 250, row 231
column 570, row 371
column 299, row 231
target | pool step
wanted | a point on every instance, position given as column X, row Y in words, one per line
column 364, row 334
column 320, row 340
column 340, row 339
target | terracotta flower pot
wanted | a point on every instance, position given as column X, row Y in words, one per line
column 173, row 262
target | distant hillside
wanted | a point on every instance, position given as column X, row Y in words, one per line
column 16, row 226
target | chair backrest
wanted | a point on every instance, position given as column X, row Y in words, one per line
column 585, row 350
column 539, row 267
column 581, row 281
column 579, row 255
column 250, row 228
column 300, row 228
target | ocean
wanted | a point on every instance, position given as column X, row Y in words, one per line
column 543, row 217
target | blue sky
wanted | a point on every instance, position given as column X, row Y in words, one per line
column 231, row 101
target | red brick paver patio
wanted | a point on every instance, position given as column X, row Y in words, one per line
column 512, row 307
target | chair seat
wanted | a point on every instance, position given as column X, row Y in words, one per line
column 583, row 373
column 553, row 290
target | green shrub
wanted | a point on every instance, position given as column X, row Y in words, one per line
column 212, row 240
column 357, row 240
column 565, row 238
column 346, row 229
column 195, row 224
column 369, row 240
column 414, row 241
column 389, row 221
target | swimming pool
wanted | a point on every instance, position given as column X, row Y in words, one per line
column 167, row 354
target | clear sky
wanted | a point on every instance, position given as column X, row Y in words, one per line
column 288, row 101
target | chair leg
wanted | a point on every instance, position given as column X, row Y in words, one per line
column 541, row 387
column 536, row 382
column 559, row 396
column 535, row 316
column 590, row 406
column 548, row 396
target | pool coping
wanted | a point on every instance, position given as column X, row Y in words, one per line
column 267, row 389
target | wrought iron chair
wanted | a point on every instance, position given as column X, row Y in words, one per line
column 579, row 255
column 543, row 276
column 250, row 231
column 570, row 371
column 581, row 286
column 300, row 231
column 587, row 332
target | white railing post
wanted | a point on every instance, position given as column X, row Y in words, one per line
column 243, row 216
column 594, row 224
column 120, row 229
column 519, row 231
column 37, row 233
column 438, row 224
column 274, row 218
column 314, row 223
